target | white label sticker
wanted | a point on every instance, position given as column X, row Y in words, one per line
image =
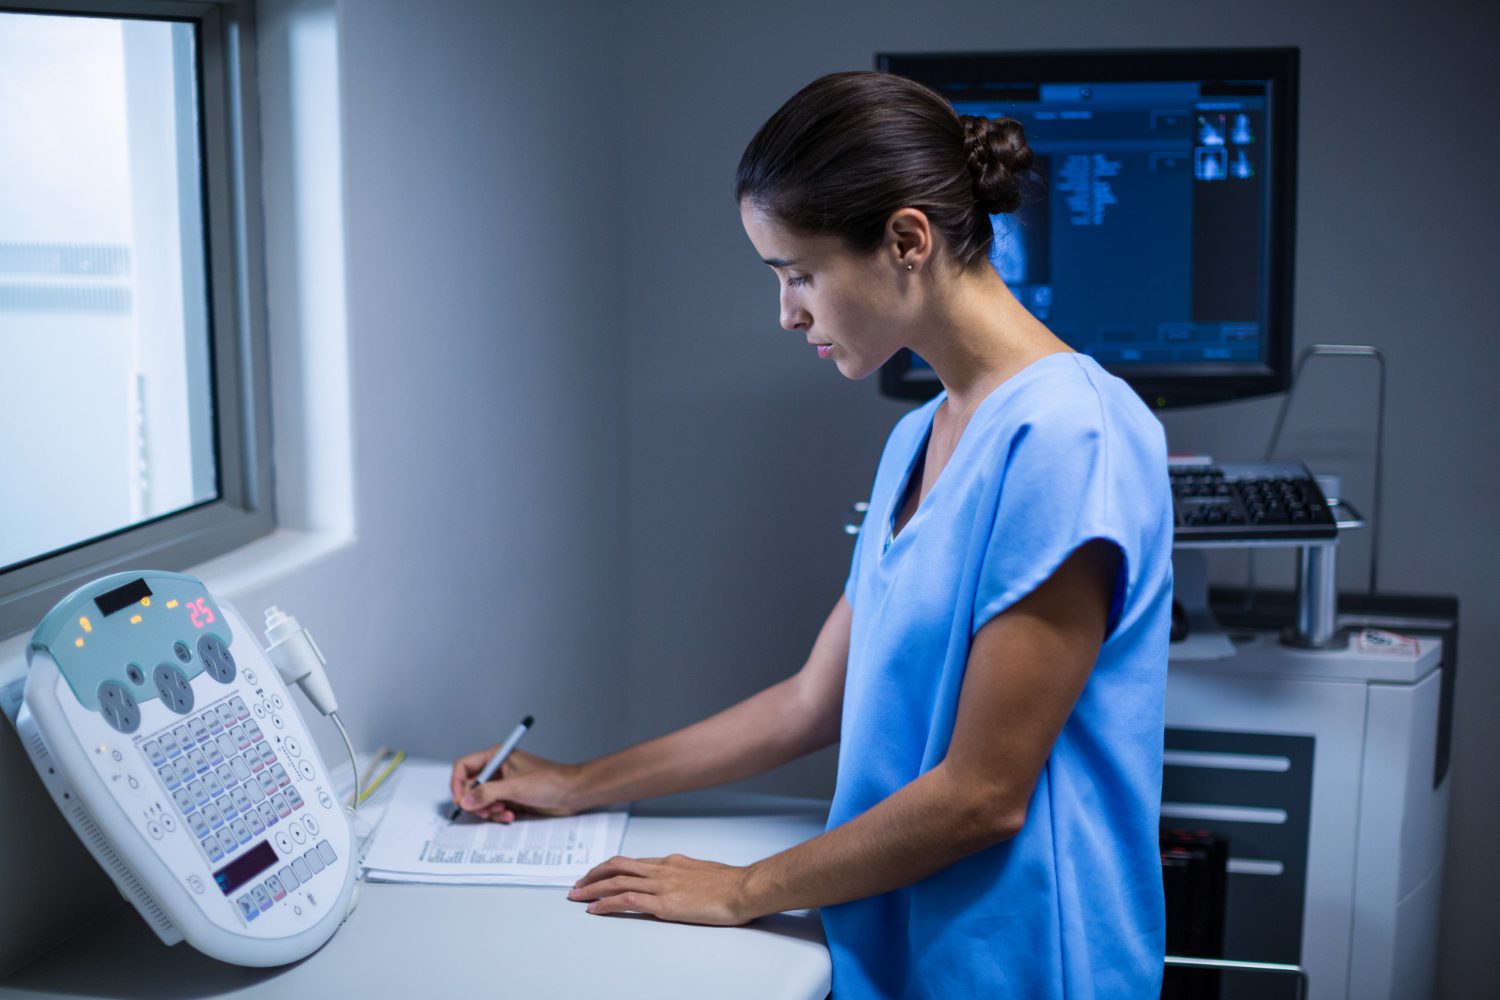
column 1379, row 640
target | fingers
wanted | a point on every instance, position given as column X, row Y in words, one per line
column 610, row 887
column 617, row 866
column 673, row 888
column 464, row 769
column 492, row 793
column 510, row 782
column 626, row 902
column 501, row 800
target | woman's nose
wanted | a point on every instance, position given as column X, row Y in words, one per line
column 793, row 317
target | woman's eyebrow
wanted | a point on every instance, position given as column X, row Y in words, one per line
column 781, row 261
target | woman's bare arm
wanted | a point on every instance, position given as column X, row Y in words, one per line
column 783, row 722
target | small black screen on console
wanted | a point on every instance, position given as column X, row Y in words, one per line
column 246, row 867
column 122, row 597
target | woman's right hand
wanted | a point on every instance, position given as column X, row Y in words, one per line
column 526, row 784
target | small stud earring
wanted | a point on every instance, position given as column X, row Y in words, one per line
column 908, row 267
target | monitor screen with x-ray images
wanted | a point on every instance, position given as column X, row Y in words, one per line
column 1156, row 221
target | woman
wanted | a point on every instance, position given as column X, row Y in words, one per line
column 995, row 669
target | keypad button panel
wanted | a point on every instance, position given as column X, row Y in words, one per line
column 226, row 782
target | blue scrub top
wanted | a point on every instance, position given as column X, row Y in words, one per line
column 1059, row 454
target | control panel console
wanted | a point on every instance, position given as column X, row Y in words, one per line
column 173, row 749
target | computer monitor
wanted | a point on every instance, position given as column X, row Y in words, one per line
column 1156, row 235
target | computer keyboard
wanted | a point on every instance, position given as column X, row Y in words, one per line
column 1249, row 501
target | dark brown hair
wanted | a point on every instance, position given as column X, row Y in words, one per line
column 851, row 148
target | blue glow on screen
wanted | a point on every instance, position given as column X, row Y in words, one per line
column 1144, row 242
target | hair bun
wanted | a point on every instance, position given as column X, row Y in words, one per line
column 997, row 155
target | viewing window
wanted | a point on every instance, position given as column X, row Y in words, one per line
column 103, row 286
column 126, row 438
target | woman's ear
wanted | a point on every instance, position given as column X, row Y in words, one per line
column 909, row 239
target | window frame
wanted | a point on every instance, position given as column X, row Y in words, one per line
column 233, row 240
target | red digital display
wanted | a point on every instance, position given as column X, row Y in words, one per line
column 201, row 613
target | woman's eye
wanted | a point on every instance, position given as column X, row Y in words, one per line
column 796, row 280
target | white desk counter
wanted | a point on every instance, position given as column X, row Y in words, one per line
column 423, row 941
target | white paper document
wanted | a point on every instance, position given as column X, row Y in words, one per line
column 416, row 843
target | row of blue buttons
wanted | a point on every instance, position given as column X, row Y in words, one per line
column 203, row 728
column 239, row 829
column 213, row 764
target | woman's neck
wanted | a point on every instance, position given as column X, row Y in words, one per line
column 979, row 337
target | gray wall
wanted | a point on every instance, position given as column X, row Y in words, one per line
column 484, row 582
column 744, row 450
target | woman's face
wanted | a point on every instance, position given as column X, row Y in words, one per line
column 846, row 304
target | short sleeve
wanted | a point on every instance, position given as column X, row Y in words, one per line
column 1054, row 496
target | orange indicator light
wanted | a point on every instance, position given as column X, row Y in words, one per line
column 135, row 619
column 87, row 625
column 78, row 642
column 171, row 604
column 145, row 602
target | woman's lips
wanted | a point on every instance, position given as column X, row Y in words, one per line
column 824, row 350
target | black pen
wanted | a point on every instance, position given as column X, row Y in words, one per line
column 495, row 761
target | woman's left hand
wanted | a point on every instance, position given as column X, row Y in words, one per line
column 675, row 888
